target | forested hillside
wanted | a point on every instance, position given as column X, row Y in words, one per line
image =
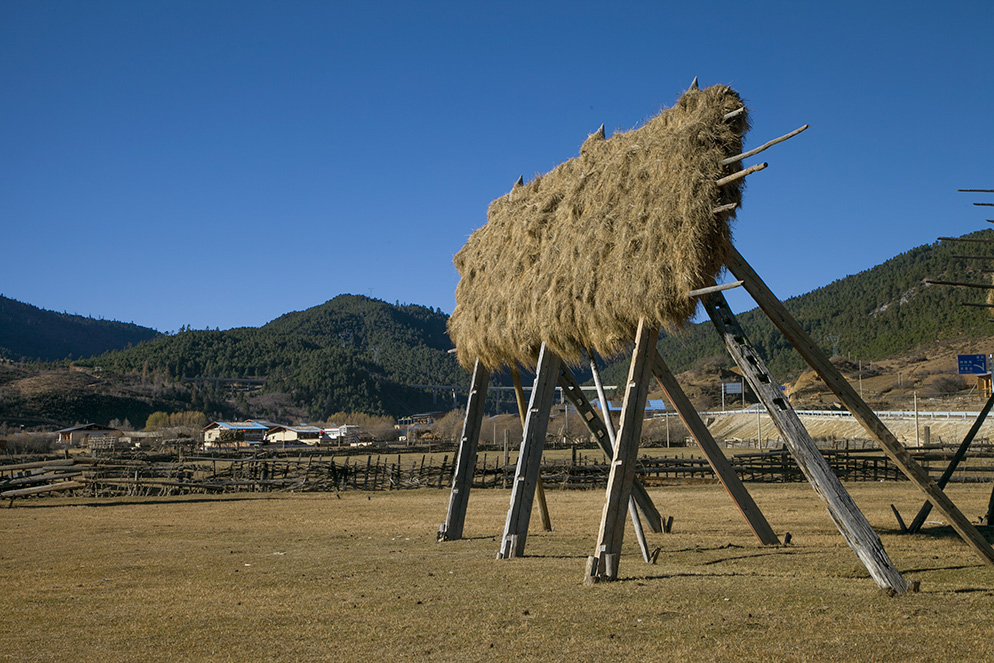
column 29, row 333
column 881, row 312
column 350, row 353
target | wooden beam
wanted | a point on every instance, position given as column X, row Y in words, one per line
column 700, row 292
column 919, row 520
column 528, row 470
column 734, row 113
column 984, row 204
column 850, row 521
column 51, row 488
column 976, row 190
column 543, row 505
column 604, row 565
column 716, row 458
column 977, row 304
column 462, row 478
column 728, row 179
column 817, row 360
column 763, row 147
column 574, row 394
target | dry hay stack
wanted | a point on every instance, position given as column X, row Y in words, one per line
column 624, row 231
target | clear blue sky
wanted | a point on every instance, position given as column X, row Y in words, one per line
column 217, row 164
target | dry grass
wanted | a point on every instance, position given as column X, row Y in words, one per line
column 576, row 257
column 315, row 577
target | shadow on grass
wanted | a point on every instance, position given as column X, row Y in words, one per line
column 670, row 576
column 959, row 567
column 947, row 532
column 772, row 553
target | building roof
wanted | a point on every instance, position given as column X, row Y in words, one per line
column 236, row 425
column 653, row 405
column 296, row 429
column 73, row 429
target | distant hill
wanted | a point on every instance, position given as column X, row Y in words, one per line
column 350, row 353
column 29, row 333
column 884, row 311
column 355, row 353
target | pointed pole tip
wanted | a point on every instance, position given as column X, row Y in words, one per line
column 694, row 86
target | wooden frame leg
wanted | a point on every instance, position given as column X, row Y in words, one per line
column 527, row 473
column 604, row 563
column 848, row 518
column 919, row 520
column 543, row 505
column 576, row 397
column 716, row 458
column 462, row 478
column 817, row 360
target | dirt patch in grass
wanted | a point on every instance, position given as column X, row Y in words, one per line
column 359, row 576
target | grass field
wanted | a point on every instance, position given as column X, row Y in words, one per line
column 359, row 576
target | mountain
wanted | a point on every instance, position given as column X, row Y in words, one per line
column 30, row 333
column 882, row 312
column 351, row 353
column 355, row 353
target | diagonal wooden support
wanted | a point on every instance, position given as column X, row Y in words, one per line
column 719, row 463
column 846, row 515
column 576, row 397
column 462, row 478
column 527, row 473
column 919, row 520
column 817, row 360
column 604, row 563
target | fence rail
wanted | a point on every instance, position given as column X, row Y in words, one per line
column 172, row 475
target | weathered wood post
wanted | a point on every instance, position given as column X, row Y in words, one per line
column 817, row 360
column 603, row 565
column 530, row 455
column 847, row 517
column 919, row 520
column 574, row 394
column 719, row 463
column 469, row 441
column 543, row 505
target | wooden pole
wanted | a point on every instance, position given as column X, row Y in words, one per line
column 573, row 392
column 919, row 520
column 609, row 425
column 543, row 506
column 716, row 458
column 604, row 563
column 462, row 479
column 529, row 466
column 763, row 147
column 817, row 360
column 846, row 515
column 734, row 177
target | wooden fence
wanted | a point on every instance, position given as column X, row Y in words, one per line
column 172, row 474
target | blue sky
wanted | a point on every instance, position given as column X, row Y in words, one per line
column 217, row 164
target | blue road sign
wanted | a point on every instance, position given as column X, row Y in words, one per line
column 972, row 364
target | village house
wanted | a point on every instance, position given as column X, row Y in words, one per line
column 82, row 434
column 301, row 434
column 235, row 433
column 346, row 436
